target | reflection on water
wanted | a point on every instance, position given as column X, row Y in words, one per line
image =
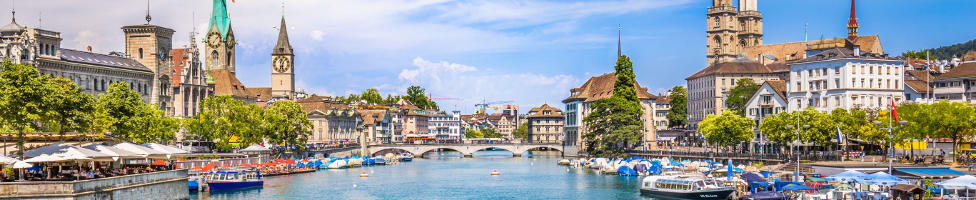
column 447, row 175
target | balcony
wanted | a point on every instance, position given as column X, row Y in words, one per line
column 950, row 90
column 723, row 9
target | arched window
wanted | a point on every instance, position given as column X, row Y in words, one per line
column 718, row 41
column 140, row 53
column 216, row 59
column 228, row 59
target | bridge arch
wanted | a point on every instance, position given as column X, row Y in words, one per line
column 463, row 152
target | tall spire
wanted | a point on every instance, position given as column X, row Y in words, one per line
column 852, row 24
column 283, row 47
column 618, row 41
column 219, row 18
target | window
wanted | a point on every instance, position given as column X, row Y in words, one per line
column 836, row 70
column 140, row 53
column 870, row 70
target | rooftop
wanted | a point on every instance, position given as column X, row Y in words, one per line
column 740, row 67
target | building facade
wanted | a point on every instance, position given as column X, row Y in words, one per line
column 332, row 123
column 598, row 87
column 662, row 106
column 504, row 124
column 770, row 99
column 190, row 86
column 446, row 127
column 283, row 66
column 845, row 78
column 93, row 72
column 730, row 29
column 545, row 124
column 958, row 85
column 377, row 127
column 151, row 45
column 708, row 88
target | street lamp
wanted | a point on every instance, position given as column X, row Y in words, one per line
column 796, row 174
column 891, row 152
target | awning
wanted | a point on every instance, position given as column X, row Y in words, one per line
column 928, row 173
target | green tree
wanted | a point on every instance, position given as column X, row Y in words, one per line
column 522, row 132
column 774, row 127
column 154, row 126
column 740, row 94
column 22, row 99
column 915, row 54
column 490, row 133
column 678, row 115
column 222, row 119
column 727, row 129
column 416, row 96
column 288, row 123
column 614, row 124
column 71, row 109
column 390, row 99
column 945, row 119
column 121, row 108
column 372, row 96
column 471, row 133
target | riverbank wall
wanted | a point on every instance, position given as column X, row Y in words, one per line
column 156, row 185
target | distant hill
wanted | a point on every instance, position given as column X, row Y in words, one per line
column 946, row 52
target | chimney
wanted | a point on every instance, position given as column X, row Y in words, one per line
column 857, row 51
column 89, row 48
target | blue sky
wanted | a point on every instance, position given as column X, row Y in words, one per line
column 529, row 51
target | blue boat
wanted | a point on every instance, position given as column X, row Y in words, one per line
column 194, row 185
column 626, row 171
column 406, row 158
column 379, row 161
column 234, row 180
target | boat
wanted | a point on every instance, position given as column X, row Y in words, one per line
column 684, row 187
column 379, row 161
column 406, row 158
column 337, row 164
column 234, row 180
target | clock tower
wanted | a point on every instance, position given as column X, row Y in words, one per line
column 220, row 41
column 283, row 66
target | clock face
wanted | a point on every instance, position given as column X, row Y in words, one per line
column 281, row 64
column 230, row 41
column 213, row 40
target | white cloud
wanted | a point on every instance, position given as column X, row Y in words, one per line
column 467, row 82
column 317, row 35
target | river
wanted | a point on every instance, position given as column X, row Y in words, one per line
column 445, row 175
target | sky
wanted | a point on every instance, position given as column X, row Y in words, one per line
column 531, row 52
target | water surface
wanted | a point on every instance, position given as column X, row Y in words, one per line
column 445, row 175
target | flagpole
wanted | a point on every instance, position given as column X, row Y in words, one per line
column 891, row 153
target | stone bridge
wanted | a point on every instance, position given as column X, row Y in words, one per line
column 418, row 150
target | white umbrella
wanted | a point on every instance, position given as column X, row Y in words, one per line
column 142, row 151
column 43, row 158
column 116, row 153
column 22, row 165
column 7, row 160
column 165, row 149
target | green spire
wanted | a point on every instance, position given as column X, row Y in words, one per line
column 218, row 18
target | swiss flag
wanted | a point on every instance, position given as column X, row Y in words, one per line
column 894, row 111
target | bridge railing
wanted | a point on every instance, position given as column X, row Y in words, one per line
column 461, row 144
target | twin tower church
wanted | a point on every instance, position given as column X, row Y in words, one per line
column 220, row 60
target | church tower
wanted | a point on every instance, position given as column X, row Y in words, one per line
column 722, row 32
column 151, row 46
column 282, row 65
column 750, row 24
column 220, row 41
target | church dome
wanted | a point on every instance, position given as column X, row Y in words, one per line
column 13, row 27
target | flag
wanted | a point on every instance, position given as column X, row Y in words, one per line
column 839, row 135
column 894, row 111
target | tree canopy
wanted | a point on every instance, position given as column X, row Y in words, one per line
column 739, row 95
column 522, row 132
column 615, row 124
column 122, row 112
column 678, row 115
column 416, row 96
column 22, row 99
column 727, row 129
column 471, row 133
column 287, row 123
column 71, row 109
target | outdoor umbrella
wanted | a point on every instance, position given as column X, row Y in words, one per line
column 966, row 182
column 144, row 152
column 168, row 150
column 115, row 153
column 22, row 165
column 75, row 152
column 44, row 158
column 7, row 160
column 797, row 187
column 849, row 175
column 881, row 178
